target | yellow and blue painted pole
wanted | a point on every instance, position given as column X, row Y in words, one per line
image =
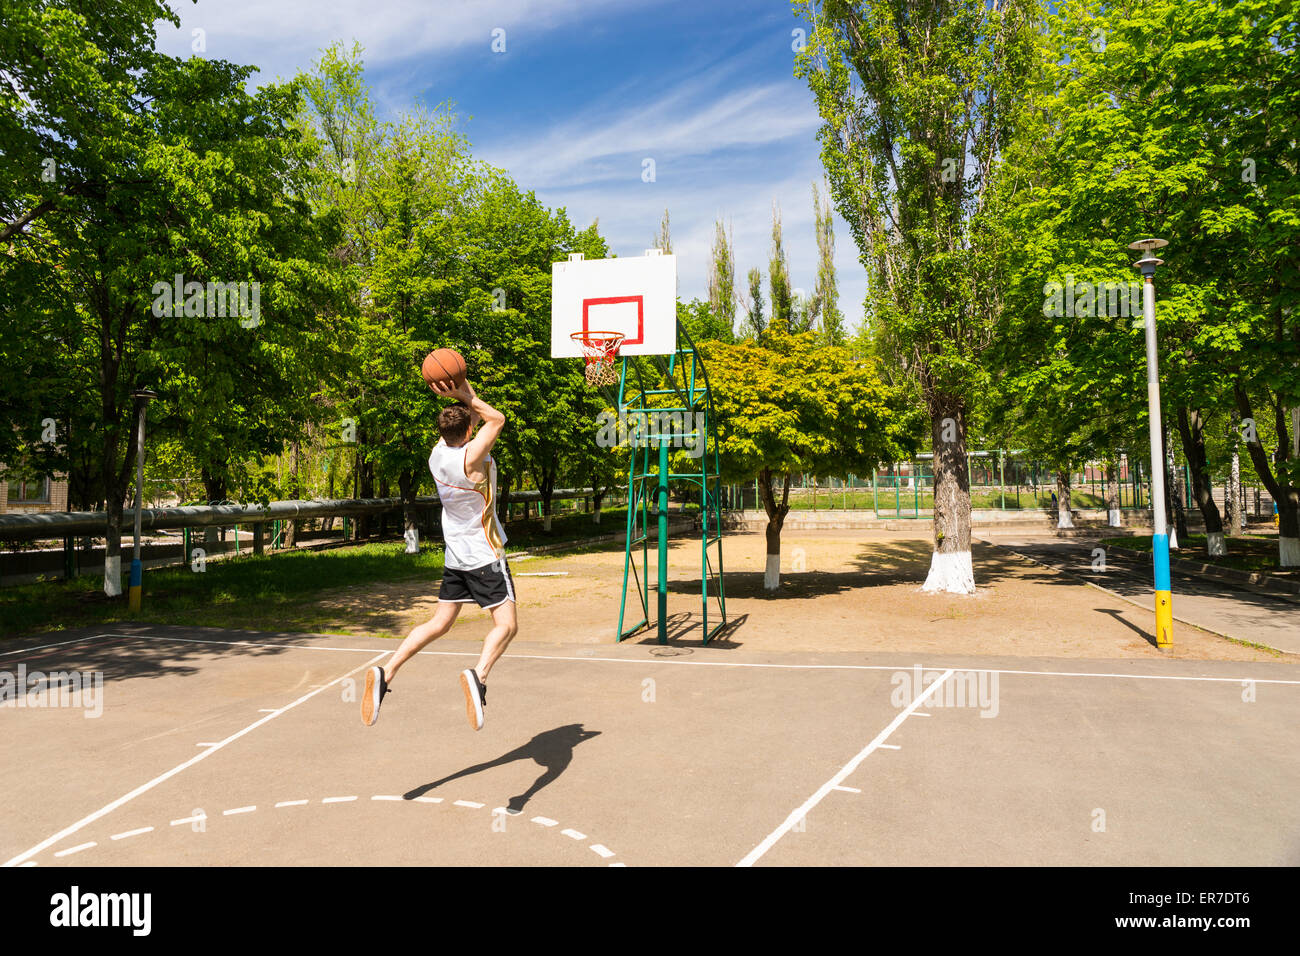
column 1160, row 536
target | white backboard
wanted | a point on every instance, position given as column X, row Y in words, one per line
column 636, row 295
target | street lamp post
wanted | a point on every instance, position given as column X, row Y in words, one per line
column 1160, row 537
column 142, row 397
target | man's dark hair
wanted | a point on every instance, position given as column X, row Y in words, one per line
column 453, row 423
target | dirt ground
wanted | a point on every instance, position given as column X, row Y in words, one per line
column 840, row 591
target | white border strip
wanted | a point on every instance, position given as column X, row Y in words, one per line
column 815, row 667
column 802, row 811
column 110, row 807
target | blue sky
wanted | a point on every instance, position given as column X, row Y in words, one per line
column 585, row 91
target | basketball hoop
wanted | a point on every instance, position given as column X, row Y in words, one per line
column 600, row 349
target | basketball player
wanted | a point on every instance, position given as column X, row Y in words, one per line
column 475, row 568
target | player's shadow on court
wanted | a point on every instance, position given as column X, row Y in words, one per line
column 552, row 749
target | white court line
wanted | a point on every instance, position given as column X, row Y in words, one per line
column 545, row 821
column 110, row 807
column 802, row 811
column 130, row 833
column 469, row 803
column 668, row 661
column 574, row 834
column 291, row 803
column 338, row 799
column 194, row 819
column 604, row 851
column 541, row 574
column 231, row 813
column 889, row 747
column 379, row 796
column 41, row 647
column 847, row 789
column 76, row 849
column 428, row 799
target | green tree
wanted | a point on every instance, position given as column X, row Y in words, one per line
column 916, row 102
column 788, row 405
column 722, row 278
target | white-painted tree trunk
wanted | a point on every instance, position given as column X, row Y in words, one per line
column 1288, row 552
column 1064, row 518
column 412, row 540
column 546, row 523
column 1173, row 537
column 1215, row 545
column 950, row 572
column 772, row 573
column 597, row 516
column 1114, row 519
column 113, row 576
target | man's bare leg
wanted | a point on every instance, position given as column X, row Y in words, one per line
column 422, row 636
column 504, row 627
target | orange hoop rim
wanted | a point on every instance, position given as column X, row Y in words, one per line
column 598, row 346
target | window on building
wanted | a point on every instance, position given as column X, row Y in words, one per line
column 30, row 492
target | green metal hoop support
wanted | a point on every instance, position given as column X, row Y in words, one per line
column 688, row 397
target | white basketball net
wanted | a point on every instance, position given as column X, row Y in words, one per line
column 600, row 349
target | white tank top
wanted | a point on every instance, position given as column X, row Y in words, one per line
column 471, row 533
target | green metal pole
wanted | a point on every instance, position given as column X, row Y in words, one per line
column 662, row 498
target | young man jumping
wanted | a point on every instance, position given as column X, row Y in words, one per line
column 475, row 566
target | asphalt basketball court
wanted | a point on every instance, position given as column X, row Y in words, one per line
column 218, row 747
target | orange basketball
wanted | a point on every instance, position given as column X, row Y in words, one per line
column 444, row 366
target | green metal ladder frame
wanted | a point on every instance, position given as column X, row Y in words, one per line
column 694, row 397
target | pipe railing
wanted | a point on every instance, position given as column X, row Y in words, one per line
column 60, row 524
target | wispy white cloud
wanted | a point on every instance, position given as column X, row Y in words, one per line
column 280, row 36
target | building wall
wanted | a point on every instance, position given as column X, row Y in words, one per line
column 58, row 499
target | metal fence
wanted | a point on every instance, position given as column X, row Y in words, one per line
column 998, row 481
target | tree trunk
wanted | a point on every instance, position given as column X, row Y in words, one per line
column 410, row 520
column 291, row 527
column 597, row 496
column 363, row 522
column 1286, row 496
column 1113, row 517
column 950, row 564
column 775, row 520
column 1064, row 515
column 1232, row 493
column 1191, row 426
column 1172, row 507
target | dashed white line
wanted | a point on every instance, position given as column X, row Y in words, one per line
column 574, row 834
column 29, row 863
column 268, row 710
column 338, row 799
column 76, row 849
column 194, row 819
column 847, row 789
column 545, row 821
column 130, row 833
column 604, row 851
column 291, row 803
column 618, row 864
column 381, row 796
column 469, row 803
column 428, row 799
column 208, row 744
column 799, row 813
column 890, row 747
column 231, row 813
column 208, row 752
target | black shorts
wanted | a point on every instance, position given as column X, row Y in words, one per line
column 487, row 586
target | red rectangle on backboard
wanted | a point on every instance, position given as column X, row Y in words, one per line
column 616, row 300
